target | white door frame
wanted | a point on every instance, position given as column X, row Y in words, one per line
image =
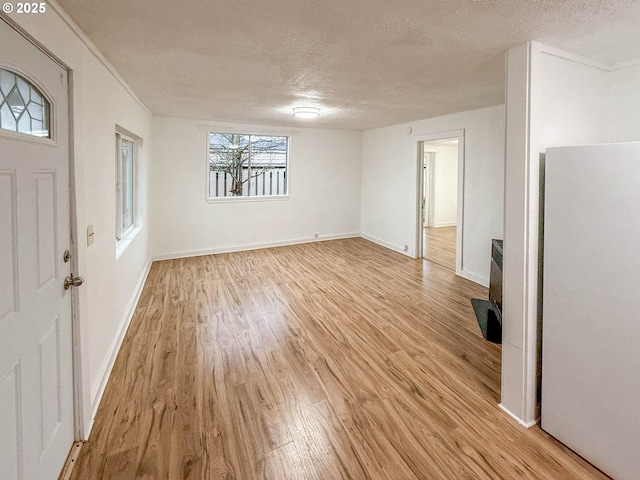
column 76, row 341
column 430, row 137
column 429, row 186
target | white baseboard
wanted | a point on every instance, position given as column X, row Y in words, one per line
column 446, row 224
column 479, row 279
column 517, row 419
column 252, row 246
column 105, row 370
column 390, row 246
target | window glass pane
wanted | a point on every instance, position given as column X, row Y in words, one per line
column 127, row 184
column 20, row 103
column 36, row 125
column 23, row 87
column 36, row 111
column 16, row 103
column 229, row 157
column 46, row 121
column 7, row 120
column 24, row 124
column 247, row 165
column 7, row 82
column 269, row 163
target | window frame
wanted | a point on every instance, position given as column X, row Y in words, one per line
column 254, row 133
column 121, row 234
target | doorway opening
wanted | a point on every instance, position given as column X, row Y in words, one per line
column 440, row 201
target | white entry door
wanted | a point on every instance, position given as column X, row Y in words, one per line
column 36, row 381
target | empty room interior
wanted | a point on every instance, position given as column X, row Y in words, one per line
column 310, row 240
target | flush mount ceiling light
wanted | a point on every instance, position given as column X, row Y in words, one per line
column 306, row 112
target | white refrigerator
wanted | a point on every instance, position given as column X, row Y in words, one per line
column 591, row 304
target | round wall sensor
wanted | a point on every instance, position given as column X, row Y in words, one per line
column 409, row 130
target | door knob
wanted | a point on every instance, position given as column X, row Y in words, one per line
column 72, row 281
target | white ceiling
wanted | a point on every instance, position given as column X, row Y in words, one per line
column 365, row 63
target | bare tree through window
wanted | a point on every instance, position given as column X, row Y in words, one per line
column 247, row 165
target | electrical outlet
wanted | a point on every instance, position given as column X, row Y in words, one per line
column 406, row 248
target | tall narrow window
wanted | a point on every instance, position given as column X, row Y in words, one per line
column 247, row 165
column 125, row 185
column 23, row 108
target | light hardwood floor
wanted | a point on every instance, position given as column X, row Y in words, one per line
column 439, row 246
column 331, row 360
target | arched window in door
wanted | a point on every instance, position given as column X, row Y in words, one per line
column 23, row 108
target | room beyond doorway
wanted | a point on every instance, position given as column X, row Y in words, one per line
column 439, row 246
column 439, row 201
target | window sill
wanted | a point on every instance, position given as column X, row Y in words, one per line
column 122, row 244
column 261, row 198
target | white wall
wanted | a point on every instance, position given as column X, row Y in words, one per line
column 625, row 104
column 570, row 101
column 554, row 98
column 100, row 101
column 445, row 196
column 390, row 181
column 324, row 194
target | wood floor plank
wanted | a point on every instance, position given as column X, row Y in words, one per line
column 327, row 445
column 329, row 360
column 287, row 463
column 439, row 246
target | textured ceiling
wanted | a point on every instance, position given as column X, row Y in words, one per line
column 365, row 63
